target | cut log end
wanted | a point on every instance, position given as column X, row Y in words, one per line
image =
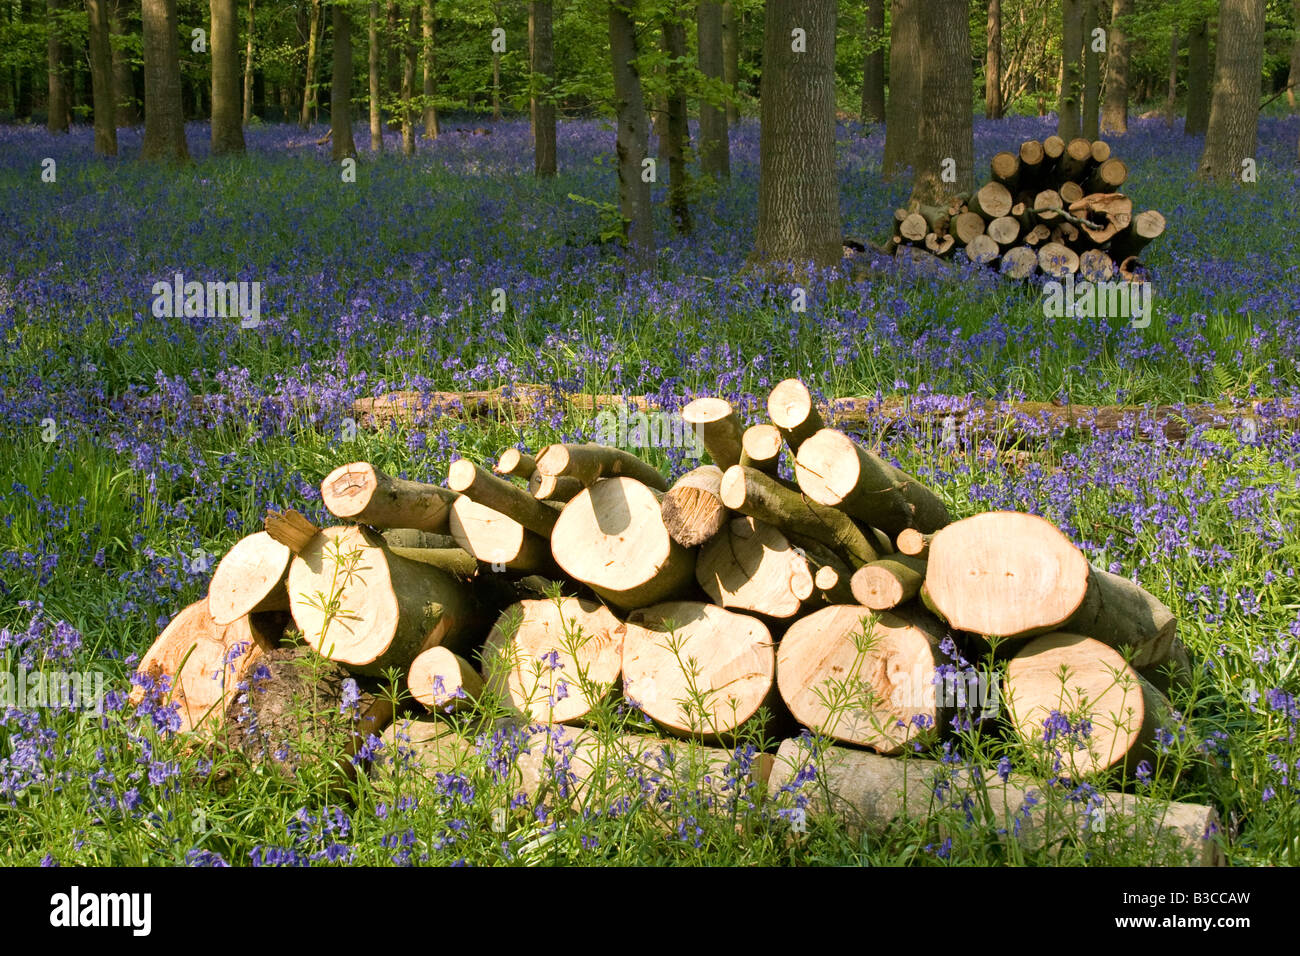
column 250, row 578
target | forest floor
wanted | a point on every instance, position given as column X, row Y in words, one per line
column 119, row 491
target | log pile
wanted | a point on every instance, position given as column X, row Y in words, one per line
column 1051, row 207
column 846, row 600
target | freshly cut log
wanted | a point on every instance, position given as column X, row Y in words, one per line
column 936, row 217
column 752, row 566
column 1077, row 161
column 1037, row 236
column 966, row 226
column 692, row 509
column 791, row 408
column 718, row 427
column 982, row 250
column 913, row 228
column 1057, row 261
column 855, row 675
column 750, row 492
column 1100, row 151
column 1096, row 265
column 289, row 528
column 454, row 560
column 1048, row 205
column 1004, row 230
column 1110, row 211
column 204, row 663
column 833, row 585
column 1082, row 699
column 1053, row 148
column 1005, row 168
column 1065, row 233
column 250, row 578
column 1108, row 177
column 515, row 464
column 1006, row 574
column 487, row 489
column 871, row 793
column 497, row 539
column 359, row 604
column 1019, row 262
column 361, row 493
column 761, row 448
column 1070, row 192
column 1031, row 160
column 694, row 668
column 1131, row 270
column 412, row 538
column 885, row 584
column 914, row 543
column 834, row 470
column 550, row 488
column 991, row 201
column 441, row 680
column 612, row 538
column 939, row 245
column 553, row 660
column 589, row 463
column 1144, row 227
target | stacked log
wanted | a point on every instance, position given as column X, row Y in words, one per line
column 1049, row 208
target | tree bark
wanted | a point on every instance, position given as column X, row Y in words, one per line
column 101, row 78
column 633, row 137
column 1234, row 108
column 993, row 63
column 1091, row 71
column 873, row 64
column 164, row 119
column 542, row 107
column 313, row 42
column 715, row 151
column 428, row 53
column 227, row 121
column 409, row 30
column 1171, row 91
column 341, row 84
column 731, row 62
column 1114, row 115
column 57, row 107
column 248, row 69
column 798, row 189
column 904, row 86
column 1198, row 79
column 128, row 113
column 674, row 37
column 1293, row 91
column 946, row 133
column 1068, row 116
column 376, row 113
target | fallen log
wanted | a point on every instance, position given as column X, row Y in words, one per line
column 914, row 543
column 692, row 510
column 612, row 538
column 441, row 680
column 513, row 463
column 791, row 408
column 967, row 226
column 358, row 492
column 1144, row 227
column 982, row 249
column 1058, row 260
column 479, row 485
column 1019, row 262
column 752, row 566
column 589, row 463
column 760, row 448
column 497, row 539
column 696, row 669
column 550, row 488
column 885, row 584
column 718, row 427
column 991, row 201
column 249, row 578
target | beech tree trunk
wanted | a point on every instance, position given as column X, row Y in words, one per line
column 873, row 64
column 128, row 113
column 731, row 62
column 904, row 86
column 1091, row 71
column 341, row 84
column 798, row 190
column 428, row 54
column 376, row 114
column 993, row 63
column 1114, row 111
column 164, row 115
column 1293, row 91
column 945, row 131
column 1234, row 108
column 313, row 42
column 227, row 118
column 1198, row 79
column 248, row 69
column 57, row 106
column 1171, row 90
column 101, row 79
column 633, row 137
column 674, row 37
column 1068, row 115
column 408, row 31
column 542, row 107
column 715, row 152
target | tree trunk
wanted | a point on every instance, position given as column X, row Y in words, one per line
column 1091, row 71
column 731, row 62
column 904, row 87
column 715, row 150
column 57, row 107
column 692, row 509
column 1293, row 91
column 227, row 124
column 313, row 41
column 496, row 69
column 128, row 113
column 376, row 114
column 408, row 31
column 1171, row 93
column 674, row 37
column 542, row 107
column 798, row 189
column 993, row 63
column 428, row 54
column 164, row 123
column 248, row 69
column 1234, row 108
column 945, row 134
column 1114, row 115
column 1198, row 79
column 1068, row 117
column 753, row 567
column 873, row 64
column 341, row 85
column 101, row 78
column 633, row 137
